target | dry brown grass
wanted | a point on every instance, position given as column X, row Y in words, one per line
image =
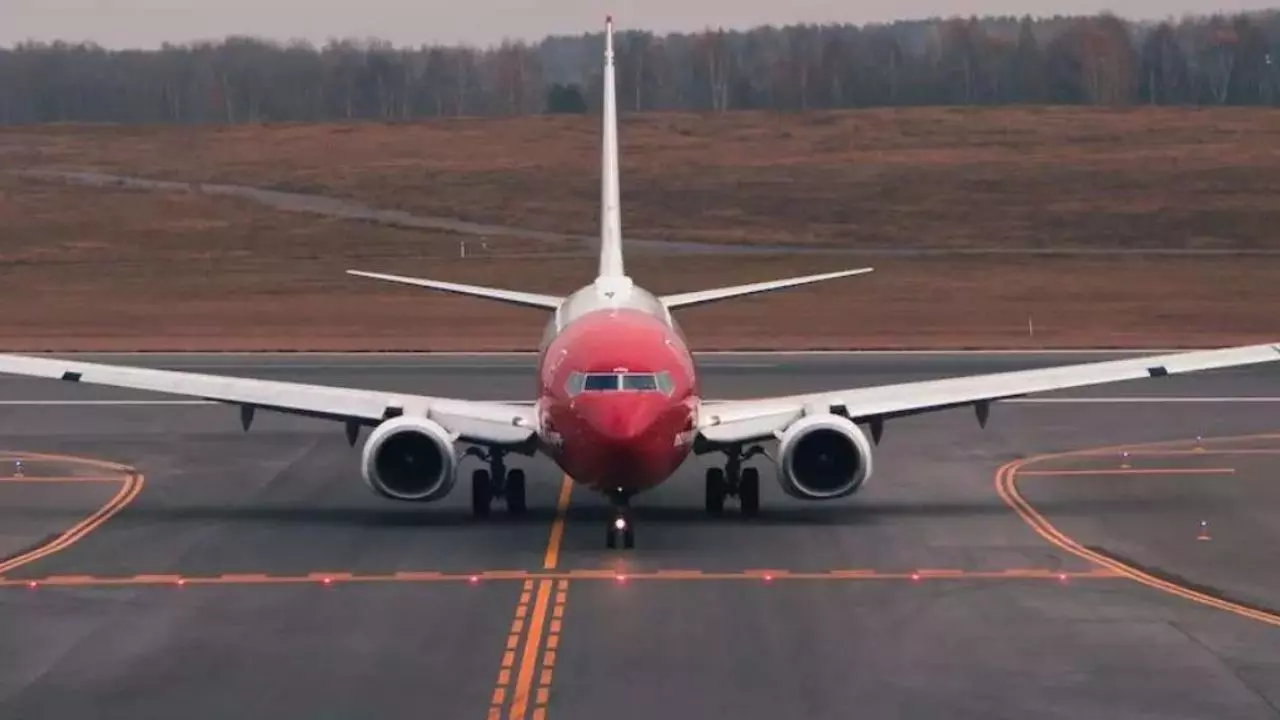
column 112, row 269
column 104, row 269
column 1008, row 177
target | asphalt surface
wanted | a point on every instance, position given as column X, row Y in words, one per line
column 945, row 601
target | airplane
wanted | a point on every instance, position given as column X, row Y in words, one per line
column 618, row 406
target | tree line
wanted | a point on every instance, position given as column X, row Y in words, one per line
column 1087, row 60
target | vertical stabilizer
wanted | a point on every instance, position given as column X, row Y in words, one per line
column 610, row 212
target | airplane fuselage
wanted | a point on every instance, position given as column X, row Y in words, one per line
column 618, row 390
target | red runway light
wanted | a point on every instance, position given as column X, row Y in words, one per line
column 473, row 579
column 32, row 585
column 768, row 578
column 181, row 582
column 328, row 581
column 915, row 576
column 1062, row 577
column 620, row 577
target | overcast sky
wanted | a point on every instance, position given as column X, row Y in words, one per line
column 147, row 23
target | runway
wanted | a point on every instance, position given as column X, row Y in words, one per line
column 255, row 575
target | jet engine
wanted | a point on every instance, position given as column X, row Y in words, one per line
column 410, row 458
column 822, row 457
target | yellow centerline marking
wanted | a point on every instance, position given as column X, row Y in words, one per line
column 509, row 655
column 529, row 628
column 549, row 654
column 1006, row 481
column 552, row 556
column 1133, row 471
column 520, row 701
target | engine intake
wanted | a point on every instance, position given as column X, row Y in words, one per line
column 410, row 458
column 823, row 457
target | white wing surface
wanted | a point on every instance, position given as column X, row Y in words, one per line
column 486, row 423
column 700, row 297
column 515, row 297
column 738, row 421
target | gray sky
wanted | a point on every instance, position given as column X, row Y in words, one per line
column 147, row 23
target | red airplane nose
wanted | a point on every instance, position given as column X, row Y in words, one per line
column 622, row 418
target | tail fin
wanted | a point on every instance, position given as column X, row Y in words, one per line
column 705, row 296
column 610, row 210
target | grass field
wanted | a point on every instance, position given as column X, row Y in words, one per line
column 900, row 178
column 112, row 269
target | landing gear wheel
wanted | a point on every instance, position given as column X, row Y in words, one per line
column 749, row 492
column 715, row 491
column 515, row 492
column 629, row 537
column 481, row 493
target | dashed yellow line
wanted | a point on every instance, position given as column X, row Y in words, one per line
column 529, row 658
column 1006, row 481
column 520, row 700
column 549, row 652
column 500, row 689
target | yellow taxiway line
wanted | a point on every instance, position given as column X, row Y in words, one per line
column 131, row 483
column 1006, row 482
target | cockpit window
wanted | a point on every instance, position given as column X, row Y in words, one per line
column 664, row 382
column 601, row 381
column 620, row 381
column 639, row 381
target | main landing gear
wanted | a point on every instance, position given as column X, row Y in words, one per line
column 496, row 482
column 733, row 480
column 620, row 525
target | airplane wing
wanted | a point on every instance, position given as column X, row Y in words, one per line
column 515, row 297
column 479, row 422
column 740, row 421
column 701, row 297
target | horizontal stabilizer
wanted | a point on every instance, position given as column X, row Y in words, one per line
column 515, row 297
column 706, row 296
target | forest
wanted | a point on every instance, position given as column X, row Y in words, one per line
column 1086, row 60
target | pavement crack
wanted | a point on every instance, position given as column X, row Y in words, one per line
column 1275, row 708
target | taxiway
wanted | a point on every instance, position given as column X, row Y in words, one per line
column 255, row 575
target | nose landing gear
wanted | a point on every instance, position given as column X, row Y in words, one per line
column 620, row 524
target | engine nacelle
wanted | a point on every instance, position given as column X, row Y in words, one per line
column 410, row 458
column 822, row 457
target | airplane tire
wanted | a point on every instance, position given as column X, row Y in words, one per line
column 749, row 492
column 629, row 537
column 611, row 539
column 515, row 492
column 715, row 490
column 481, row 493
